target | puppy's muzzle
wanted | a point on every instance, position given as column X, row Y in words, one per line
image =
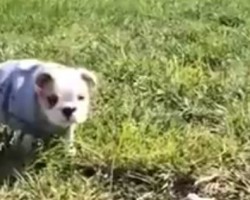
column 68, row 111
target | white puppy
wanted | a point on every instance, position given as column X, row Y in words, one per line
column 44, row 98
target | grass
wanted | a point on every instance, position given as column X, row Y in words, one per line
column 173, row 100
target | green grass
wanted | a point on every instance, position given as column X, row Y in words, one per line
column 173, row 101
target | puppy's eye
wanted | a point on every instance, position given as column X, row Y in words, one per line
column 80, row 97
column 52, row 100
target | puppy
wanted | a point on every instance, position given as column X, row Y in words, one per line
column 44, row 98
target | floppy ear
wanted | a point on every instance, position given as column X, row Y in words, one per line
column 42, row 81
column 88, row 76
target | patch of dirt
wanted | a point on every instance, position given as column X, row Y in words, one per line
column 156, row 184
column 137, row 184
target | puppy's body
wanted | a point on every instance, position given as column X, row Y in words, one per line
column 19, row 107
column 44, row 98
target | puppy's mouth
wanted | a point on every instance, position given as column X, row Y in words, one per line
column 68, row 121
column 65, row 123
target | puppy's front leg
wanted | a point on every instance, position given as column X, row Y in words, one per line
column 69, row 139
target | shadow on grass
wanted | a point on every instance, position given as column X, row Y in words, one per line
column 18, row 150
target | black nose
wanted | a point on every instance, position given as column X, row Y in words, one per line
column 67, row 111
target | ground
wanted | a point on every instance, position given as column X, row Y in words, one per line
column 172, row 104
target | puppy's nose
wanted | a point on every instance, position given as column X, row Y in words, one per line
column 67, row 111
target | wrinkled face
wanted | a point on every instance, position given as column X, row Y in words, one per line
column 64, row 95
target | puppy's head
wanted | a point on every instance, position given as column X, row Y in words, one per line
column 64, row 94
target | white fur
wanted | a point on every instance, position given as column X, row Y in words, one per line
column 69, row 83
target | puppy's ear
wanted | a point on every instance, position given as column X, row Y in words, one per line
column 42, row 81
column 88, row 76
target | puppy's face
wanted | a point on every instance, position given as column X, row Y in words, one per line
column 64, row 94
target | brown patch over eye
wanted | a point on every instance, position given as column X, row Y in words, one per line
column 80, row 97
column 52, row 100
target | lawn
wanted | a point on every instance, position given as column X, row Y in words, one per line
column 172, row 104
